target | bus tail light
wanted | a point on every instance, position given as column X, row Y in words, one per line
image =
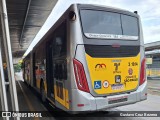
column 80, row 105
column 80, row 76
column 142, row 72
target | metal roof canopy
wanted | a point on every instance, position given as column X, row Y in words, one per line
column 22, row 17
column 25, row 18
column 152, row 46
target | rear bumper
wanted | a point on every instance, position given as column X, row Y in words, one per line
column 101, row 103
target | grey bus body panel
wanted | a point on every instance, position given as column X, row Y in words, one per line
column 133, row 97
column 85, row 98
column 102, row 103
column 75, row 38
column 141, row 33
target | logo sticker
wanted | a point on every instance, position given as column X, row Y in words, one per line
column 117, row 78
column 105, row 84
column 116, row 65
column 131, row 78
column 97, row 84
column 99, row 67
column 130, row 71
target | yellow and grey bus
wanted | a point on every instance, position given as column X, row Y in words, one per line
column 91, row 59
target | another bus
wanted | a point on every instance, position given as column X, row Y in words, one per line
column 91, row 59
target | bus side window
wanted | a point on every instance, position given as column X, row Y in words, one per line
column 59, row 53
column 60, row 74
column 58, row 46
column 64, row 71
column 56, row 71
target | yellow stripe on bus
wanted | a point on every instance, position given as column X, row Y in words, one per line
column 65, row 101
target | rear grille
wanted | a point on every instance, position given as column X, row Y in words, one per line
column 107, row 51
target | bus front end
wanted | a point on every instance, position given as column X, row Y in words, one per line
column 109, row 61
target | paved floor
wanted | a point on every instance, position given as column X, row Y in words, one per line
column 29, row 101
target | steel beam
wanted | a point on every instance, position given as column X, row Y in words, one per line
column 24, row 23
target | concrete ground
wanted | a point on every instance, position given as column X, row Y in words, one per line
column 154, row 86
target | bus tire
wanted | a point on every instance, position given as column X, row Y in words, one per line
column 42, row 91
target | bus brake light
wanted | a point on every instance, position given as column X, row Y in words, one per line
column 142, row 74
column 80, row 76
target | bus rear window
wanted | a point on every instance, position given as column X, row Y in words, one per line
column 108, row 25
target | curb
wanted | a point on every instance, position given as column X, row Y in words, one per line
column 153, row 78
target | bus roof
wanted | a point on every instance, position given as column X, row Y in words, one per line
column 106, row 8
column 88, row 6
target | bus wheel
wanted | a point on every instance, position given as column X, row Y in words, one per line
column 42, row 92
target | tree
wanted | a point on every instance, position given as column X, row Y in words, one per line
column 17, row 67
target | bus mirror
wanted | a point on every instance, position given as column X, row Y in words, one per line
column 72, row 16
column 135, row 12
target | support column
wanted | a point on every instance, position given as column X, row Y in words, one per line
column 3, row 94
column 8, row 52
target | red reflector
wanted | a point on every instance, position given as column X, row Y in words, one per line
column 143, row 72
column 68, row 101
column 80, row 105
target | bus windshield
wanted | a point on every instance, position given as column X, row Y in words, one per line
column 109, row 25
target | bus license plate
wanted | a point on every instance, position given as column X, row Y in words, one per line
column 117, row 86
column 117, row 99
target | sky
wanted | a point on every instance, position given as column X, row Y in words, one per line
column 148, row 10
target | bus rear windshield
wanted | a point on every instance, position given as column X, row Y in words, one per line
column 109, row 25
